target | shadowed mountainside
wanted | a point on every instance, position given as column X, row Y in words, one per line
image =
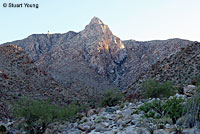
column 181, row 68
column 20, row 77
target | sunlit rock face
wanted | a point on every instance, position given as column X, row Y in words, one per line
column 102, row 50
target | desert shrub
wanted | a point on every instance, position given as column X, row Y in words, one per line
column 38, row 114
column 2, row 129
column 192, row 108
column 155, row 89
column 111, row 97
column 163, row 120
column 152, row 109
column 180, row 89
column 171, row 108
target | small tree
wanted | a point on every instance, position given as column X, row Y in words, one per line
column 155, row 89
column 111, row 97
column 173, row 108
column 38, row 114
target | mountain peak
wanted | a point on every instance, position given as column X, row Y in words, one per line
column 96, row 20
column 96, row 27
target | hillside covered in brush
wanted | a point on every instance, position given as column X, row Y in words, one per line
column 181, row 68
column 20, row 77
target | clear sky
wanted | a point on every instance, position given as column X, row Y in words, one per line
column 128, row 19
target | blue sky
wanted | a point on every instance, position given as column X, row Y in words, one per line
column 128, row 19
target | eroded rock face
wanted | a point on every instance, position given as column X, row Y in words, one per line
column 102, row 50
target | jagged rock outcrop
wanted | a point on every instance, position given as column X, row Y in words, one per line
column 100, row 49
column 181, row 68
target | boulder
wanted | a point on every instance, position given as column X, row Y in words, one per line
column 193, row 130
column 189, row 90
column 132, row 130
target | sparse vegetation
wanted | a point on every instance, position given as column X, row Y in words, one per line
column 111, row 97
column 155, row 89
column 38, row 114
column 171, row 108
column 2, row 129
column 150, row 109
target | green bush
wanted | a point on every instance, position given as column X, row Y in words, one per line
column 150, row 109
column 2, row 129
column 172, row 108
column 38, row 113
column 111, row 97
column 155, row 89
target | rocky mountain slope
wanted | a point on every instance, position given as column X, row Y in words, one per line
column 94, row 57
column 20, row 77
column 73, row 58
column 181, row 68
column 142, row 55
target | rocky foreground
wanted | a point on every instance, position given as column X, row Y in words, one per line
column 126, row 118
column 122, row 120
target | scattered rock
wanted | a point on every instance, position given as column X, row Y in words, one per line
column 161, row 131
column 110, row 110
